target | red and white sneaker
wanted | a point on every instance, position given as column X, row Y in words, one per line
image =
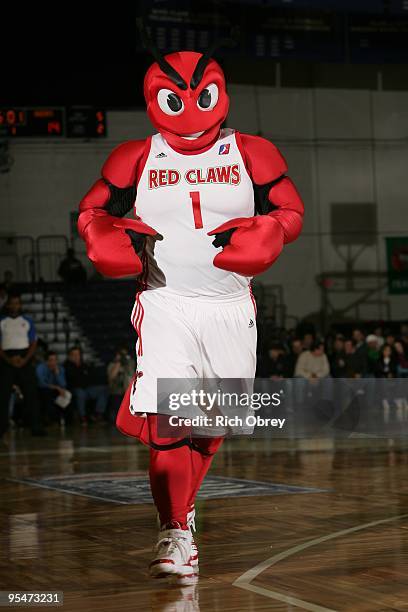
column 172, row 553
column 194, row 549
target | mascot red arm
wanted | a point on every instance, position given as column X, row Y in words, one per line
column 113, row 244
column 251, row 245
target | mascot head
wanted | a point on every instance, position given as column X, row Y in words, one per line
column 185, row 95
column 186, row 99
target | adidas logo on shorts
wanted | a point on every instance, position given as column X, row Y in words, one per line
column 251, row 323
column 161, row 155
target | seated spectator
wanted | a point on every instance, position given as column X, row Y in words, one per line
column 338, row 358
column 120, row 372
column 307, row 341
column 404, row 336
column 386, row 366
column 379, row 332
column 390, row 338
column 356, row 362
column 71, row 269
column 18, row 341
column 373, row 353
column 360, row 348
column 296, row 349
column 402, row 360
column 52, row 385
column 41, row 351
column 274, row 364
column 79, row 381
column 313, row 364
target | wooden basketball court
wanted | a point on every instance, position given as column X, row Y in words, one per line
column 331, row 535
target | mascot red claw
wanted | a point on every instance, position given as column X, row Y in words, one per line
column 212, row 208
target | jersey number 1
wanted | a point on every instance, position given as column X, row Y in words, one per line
column 195, row 201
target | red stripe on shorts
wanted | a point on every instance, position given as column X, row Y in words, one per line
column 252, row 297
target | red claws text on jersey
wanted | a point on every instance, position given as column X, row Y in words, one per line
column 230, row 175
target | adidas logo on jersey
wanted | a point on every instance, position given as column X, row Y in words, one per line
column 251, row 323
column 161, row 155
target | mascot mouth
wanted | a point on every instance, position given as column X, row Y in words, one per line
column 193, row 136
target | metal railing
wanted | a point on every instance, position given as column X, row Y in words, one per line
column 30, row 260
column 50, row 250
column 18, row 255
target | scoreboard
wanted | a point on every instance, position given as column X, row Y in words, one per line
column 72, row 122
column 359, row 31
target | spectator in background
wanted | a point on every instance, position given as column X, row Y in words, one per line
column 313, row 364
column 359, row 339
column 41, row 351
column 373, row 353
column 120, row 372
column 296, row 349
column 52, row 384
column 79, row 380
column 386, row 366
column 401, row 359
column 274, row 363
column 338, row 358
column 18, row 341
column 360, row 348
column 356, row 362
column 379, row 332
column 307, row 341
column 390, row 338
column 404, row 336
column 71, row 269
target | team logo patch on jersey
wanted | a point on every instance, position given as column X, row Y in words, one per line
column 224, row 149
column 161, row 155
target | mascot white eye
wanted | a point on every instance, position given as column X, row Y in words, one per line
column 208, row 98
column 169, row 102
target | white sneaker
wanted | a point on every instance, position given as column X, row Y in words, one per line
column 172, row 554
column 194, row 549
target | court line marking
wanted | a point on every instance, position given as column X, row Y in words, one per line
column 41, row 485
column 244, row 581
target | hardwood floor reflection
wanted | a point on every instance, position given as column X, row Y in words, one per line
column 321, row 551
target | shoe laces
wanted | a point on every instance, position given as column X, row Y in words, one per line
column 173, row 542
column 191, row 520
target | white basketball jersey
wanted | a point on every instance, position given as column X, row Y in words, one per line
column 183, row 197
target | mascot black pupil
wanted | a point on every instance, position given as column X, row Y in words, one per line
column 174, row 102
column 205, row 99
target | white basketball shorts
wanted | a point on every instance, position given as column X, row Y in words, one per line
column 189, row 337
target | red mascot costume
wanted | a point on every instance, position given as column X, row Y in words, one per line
column 212, row 208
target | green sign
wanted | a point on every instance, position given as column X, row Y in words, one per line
column 397, row 264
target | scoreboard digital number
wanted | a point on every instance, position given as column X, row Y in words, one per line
column 73, row 122
column 27, row 122
column 85, row 122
